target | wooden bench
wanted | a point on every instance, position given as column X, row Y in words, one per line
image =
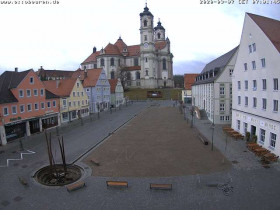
column 75, row 186
column 117, row 184
column 204, row 140
column 161, row 186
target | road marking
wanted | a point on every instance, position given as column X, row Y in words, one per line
column 21, row 157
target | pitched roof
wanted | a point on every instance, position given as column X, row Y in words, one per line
column 189, row 79
column 9, row 80
column 50, row 95
column 55, row 73
column 62, row 88
column 133, row 50
column 92, row 77
column 132, row 68
column 92, row 57
column 270, row 27
column 217, row 66
column 111, row 49
column 113, row 84
column 160, row 45
column 120, row 44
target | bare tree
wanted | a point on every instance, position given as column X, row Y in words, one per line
column 124, row 76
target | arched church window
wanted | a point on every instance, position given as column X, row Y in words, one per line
column 112, row 75
column 145, row 23
column 147, row 73
column 112, row 62
column 102, row 62
column 145, row 38
column 146, row 59
column 137, row 75
column 158, row 35
column 164, row 64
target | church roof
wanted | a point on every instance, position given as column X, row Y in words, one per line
column 133, row 50
column 92, row 57
column 111, row 49
column 120, row 44
column 146, row 12
column 270, row 27
column 217, row 66
column 159, row 26
column 160, row 45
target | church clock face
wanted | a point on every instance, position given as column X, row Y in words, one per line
column 146, row 45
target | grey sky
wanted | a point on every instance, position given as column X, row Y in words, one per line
column 62, row 36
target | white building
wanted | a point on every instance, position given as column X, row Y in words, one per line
column 212, row 89
column 255, row 82
column 117, row 92
column 148, row 64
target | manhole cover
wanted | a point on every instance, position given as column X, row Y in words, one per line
column 234, row 162
column 57, row 176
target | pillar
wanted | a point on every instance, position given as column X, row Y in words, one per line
column 3, row 135
column 27, row 127
column 40, row 124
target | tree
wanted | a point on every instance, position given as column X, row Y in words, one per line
column 124, row 76
column 179, row 81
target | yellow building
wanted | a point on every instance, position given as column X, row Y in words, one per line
column 73, row 99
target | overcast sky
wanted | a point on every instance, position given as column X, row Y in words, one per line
column 61, row 36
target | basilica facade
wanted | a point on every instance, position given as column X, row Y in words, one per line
column 146, row 65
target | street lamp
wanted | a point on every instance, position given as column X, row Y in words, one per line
column 213, row 127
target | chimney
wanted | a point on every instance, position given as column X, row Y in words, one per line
column 57, row 83
column 94, row 49
column 16, row 69
column 41, row 68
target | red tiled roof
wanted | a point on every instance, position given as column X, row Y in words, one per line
column 55, row 73
column 120, row 44
column 92, row 57
column 132, row 68
column 160, row 45
column 111, row 49
column 270, row 27
column 133, row 50
column 92, row 77
column 79, row 73
column 62, row 88
column 113, row 84
column 189, row 79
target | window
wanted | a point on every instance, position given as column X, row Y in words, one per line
column 65, row 116
column 29, row 107
column 272, row 139
column 230, row 72
column 275, row 105
column 246, row 84
column 49, row 104
column 42, row 92
column 136, row 62
column 164, row 64
column 14, row 110
column 263, row 62
column 222, row 107
column 102, row 62
column 21, row 94
column 42, row 105
column 87, row 89
column 145, row 23
column 83, row 103
column 145, row 38
column 158, row 35
column 112, row 62
column 21, row 108
column 78, row 94
column 239, row 85
column 6, row 111
column 246, row 101
column 78, row 84
column 79, row 103
column 238, row 124
column 227, row 118
column 35, row 92
column 147, row 73
column 82, row 93
column 254, row 84
column 245, row 67
column 230, row 89
column 254, row 65
column 222, row 118
column 28, row 93
column 112, row 75
column 239, row 100
column 36, row 107
column 264, row 84
column 146, row 59
column 254, row 102
column 245, row 126
column 264, row 103
column 275, row 84
column 74, row 94
column 250, row 48
column 137, row 75
column 69, row 103
column 31, row 80
column 54, row 103
column 222, row 90
column 254, row 47
column 74, row 103
column 262, row 135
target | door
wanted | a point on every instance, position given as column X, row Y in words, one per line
column 253, row 130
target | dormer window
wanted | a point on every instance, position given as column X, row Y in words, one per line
column 31, row 80
column 145, row 23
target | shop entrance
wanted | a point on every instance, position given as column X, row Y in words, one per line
column 15, row 131
column 34, row 126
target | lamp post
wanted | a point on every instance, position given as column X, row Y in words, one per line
column 213, row 127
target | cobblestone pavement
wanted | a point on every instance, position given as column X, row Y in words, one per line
column 254, row 187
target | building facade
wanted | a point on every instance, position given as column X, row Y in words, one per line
column 26, row 107
column 117, row 92
column 73, row 99
column 212, row 90
column 189, row 80
column 256, row 82
column 147, row 65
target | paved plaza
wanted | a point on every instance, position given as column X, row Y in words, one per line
column 191, row 167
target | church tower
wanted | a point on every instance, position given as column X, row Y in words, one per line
column 147, row 49
column 159, row 34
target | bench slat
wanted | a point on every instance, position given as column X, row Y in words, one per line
column 75, row 186
column 117, row 183
column 161, row 186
